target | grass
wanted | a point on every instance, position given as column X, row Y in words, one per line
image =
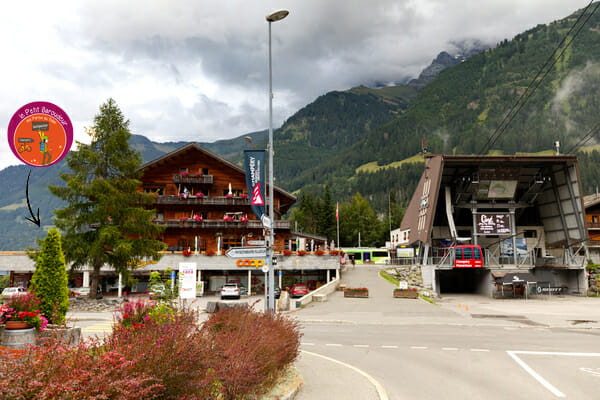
column 388, row 277
column 373, row 167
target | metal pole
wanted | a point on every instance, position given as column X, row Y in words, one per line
column 271, row 213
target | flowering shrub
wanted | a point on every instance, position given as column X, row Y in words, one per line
column 25, row 308
column 301, row 252
column 333, row 252
column 361, row 289
column 287, row 253
column 236, row 354
column 210, row 252
column 319, row 252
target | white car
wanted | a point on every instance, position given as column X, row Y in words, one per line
column 230, row 290
column 13, row 291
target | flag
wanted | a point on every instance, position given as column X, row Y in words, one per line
column 255, row 178
column 337, row 211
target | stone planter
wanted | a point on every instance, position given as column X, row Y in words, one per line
column 18, row 338
column 361, row 294
column 405, row 294
column 70, row 335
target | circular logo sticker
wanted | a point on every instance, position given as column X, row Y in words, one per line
column 40, row 134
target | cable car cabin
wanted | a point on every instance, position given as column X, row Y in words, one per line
column 468, row 256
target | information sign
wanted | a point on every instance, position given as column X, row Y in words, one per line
column 493, row 224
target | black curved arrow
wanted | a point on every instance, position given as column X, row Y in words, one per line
column 33, row 218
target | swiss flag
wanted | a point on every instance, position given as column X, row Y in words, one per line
column 257, row 200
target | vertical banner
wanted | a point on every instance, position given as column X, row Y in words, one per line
column 187, row 280
column 254, row 161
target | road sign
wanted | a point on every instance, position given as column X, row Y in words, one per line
column 256, row 242
column 247, row 252
column 265, row 269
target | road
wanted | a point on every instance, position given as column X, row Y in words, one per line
column 497, row 349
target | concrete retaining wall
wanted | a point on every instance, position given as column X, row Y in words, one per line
column 325, row 289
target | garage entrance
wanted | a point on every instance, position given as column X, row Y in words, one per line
column 464, row 281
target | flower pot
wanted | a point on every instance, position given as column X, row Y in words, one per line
column 405, row 294
column 362, row 294
column 12, row 325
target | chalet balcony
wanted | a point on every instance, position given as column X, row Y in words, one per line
column 207, row 200
column 592, row 225
column 220, row 224
column 193, row 179
column 593, row 243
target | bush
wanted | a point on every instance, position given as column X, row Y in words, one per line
column 235, row 354
column 50, row 279
column 252, row 349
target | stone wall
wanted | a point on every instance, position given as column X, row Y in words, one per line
column 409, row 273
column 594, row 282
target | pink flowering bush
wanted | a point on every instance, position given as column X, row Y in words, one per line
column 25, row 308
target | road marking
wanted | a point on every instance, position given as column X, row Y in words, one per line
column 418, row 347
column 479, row 350
column 361, row 345
column 592, row 371
column 389, row 347
column 538, row 377
column 380, row 390
column 307, row 344
column 98, row 328
column 449, row 348
column 333, row 345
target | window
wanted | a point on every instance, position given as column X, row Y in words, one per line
column 231, row 242
column 468, row 253
column 459, row 255
column 205, row 171
column 476, row 253
column 183, row 170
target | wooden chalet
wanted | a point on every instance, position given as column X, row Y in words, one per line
column 202, row 200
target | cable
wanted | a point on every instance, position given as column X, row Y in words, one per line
column 502, row 126
column 584, row 139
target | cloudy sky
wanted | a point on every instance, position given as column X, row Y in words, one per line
column 198, row 70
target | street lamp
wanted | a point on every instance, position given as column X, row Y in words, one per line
column 274, row 17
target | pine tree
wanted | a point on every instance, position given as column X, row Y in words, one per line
column 49, row 281
column 106, row 220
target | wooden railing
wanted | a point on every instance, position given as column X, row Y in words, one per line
column 208, row 200
column 216, row 223
column 204, row 179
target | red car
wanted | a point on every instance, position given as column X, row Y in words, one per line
column 299, row 290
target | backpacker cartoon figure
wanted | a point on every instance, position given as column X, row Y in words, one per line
column 44, row 148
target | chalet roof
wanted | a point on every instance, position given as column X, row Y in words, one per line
column 591, row 200
column 195, row 146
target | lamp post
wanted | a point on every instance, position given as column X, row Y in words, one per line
column 274, row 17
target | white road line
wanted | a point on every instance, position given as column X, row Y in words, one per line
column 380, row 390
column 418, row 347
column 333, row 345
column 531, row 372
column 449, row 348
column 480, row 350
column 307, row 344
column 389, row 347
column 361, row 345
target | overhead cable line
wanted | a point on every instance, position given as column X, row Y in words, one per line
column 522, row 100
column 585, row 139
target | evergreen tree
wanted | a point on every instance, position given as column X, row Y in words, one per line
column 106, row 220
column 49, row 281
column 326, row 219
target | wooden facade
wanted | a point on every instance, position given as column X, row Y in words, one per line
column 203, row 202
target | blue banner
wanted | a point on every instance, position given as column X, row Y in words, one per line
column 254, row 161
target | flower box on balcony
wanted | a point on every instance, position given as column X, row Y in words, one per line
column 287, row 253
column 319, row 252
column 406, row 293
column 333, row 252
column 356, row 292
column 301, row 252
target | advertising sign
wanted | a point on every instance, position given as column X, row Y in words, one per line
column 493, row 224
column 187, row 280
column 254, row 161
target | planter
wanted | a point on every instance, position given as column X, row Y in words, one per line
column 405, row 294
column 70, row 335
column 18, row 338
column 361, row 294
column 12, row 325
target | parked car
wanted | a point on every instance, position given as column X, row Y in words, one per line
column 13, row 291
column 276, row 292
column 299, row 290
column 230, row 290
column 85, row 292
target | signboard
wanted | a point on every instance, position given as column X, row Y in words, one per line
column 187, row 280
column 403, row 285
column 254, row 161
column 256, row 242
column 493, row 224
column 247, row 252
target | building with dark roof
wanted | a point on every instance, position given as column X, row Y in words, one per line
column 525, row 213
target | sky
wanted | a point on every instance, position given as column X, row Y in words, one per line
column 198, row 70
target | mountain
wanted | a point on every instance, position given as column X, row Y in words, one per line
column 460, row 110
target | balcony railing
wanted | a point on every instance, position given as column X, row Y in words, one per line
column 204, row 179
column 208, row 200
column 592, row 225
column 217, row 223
